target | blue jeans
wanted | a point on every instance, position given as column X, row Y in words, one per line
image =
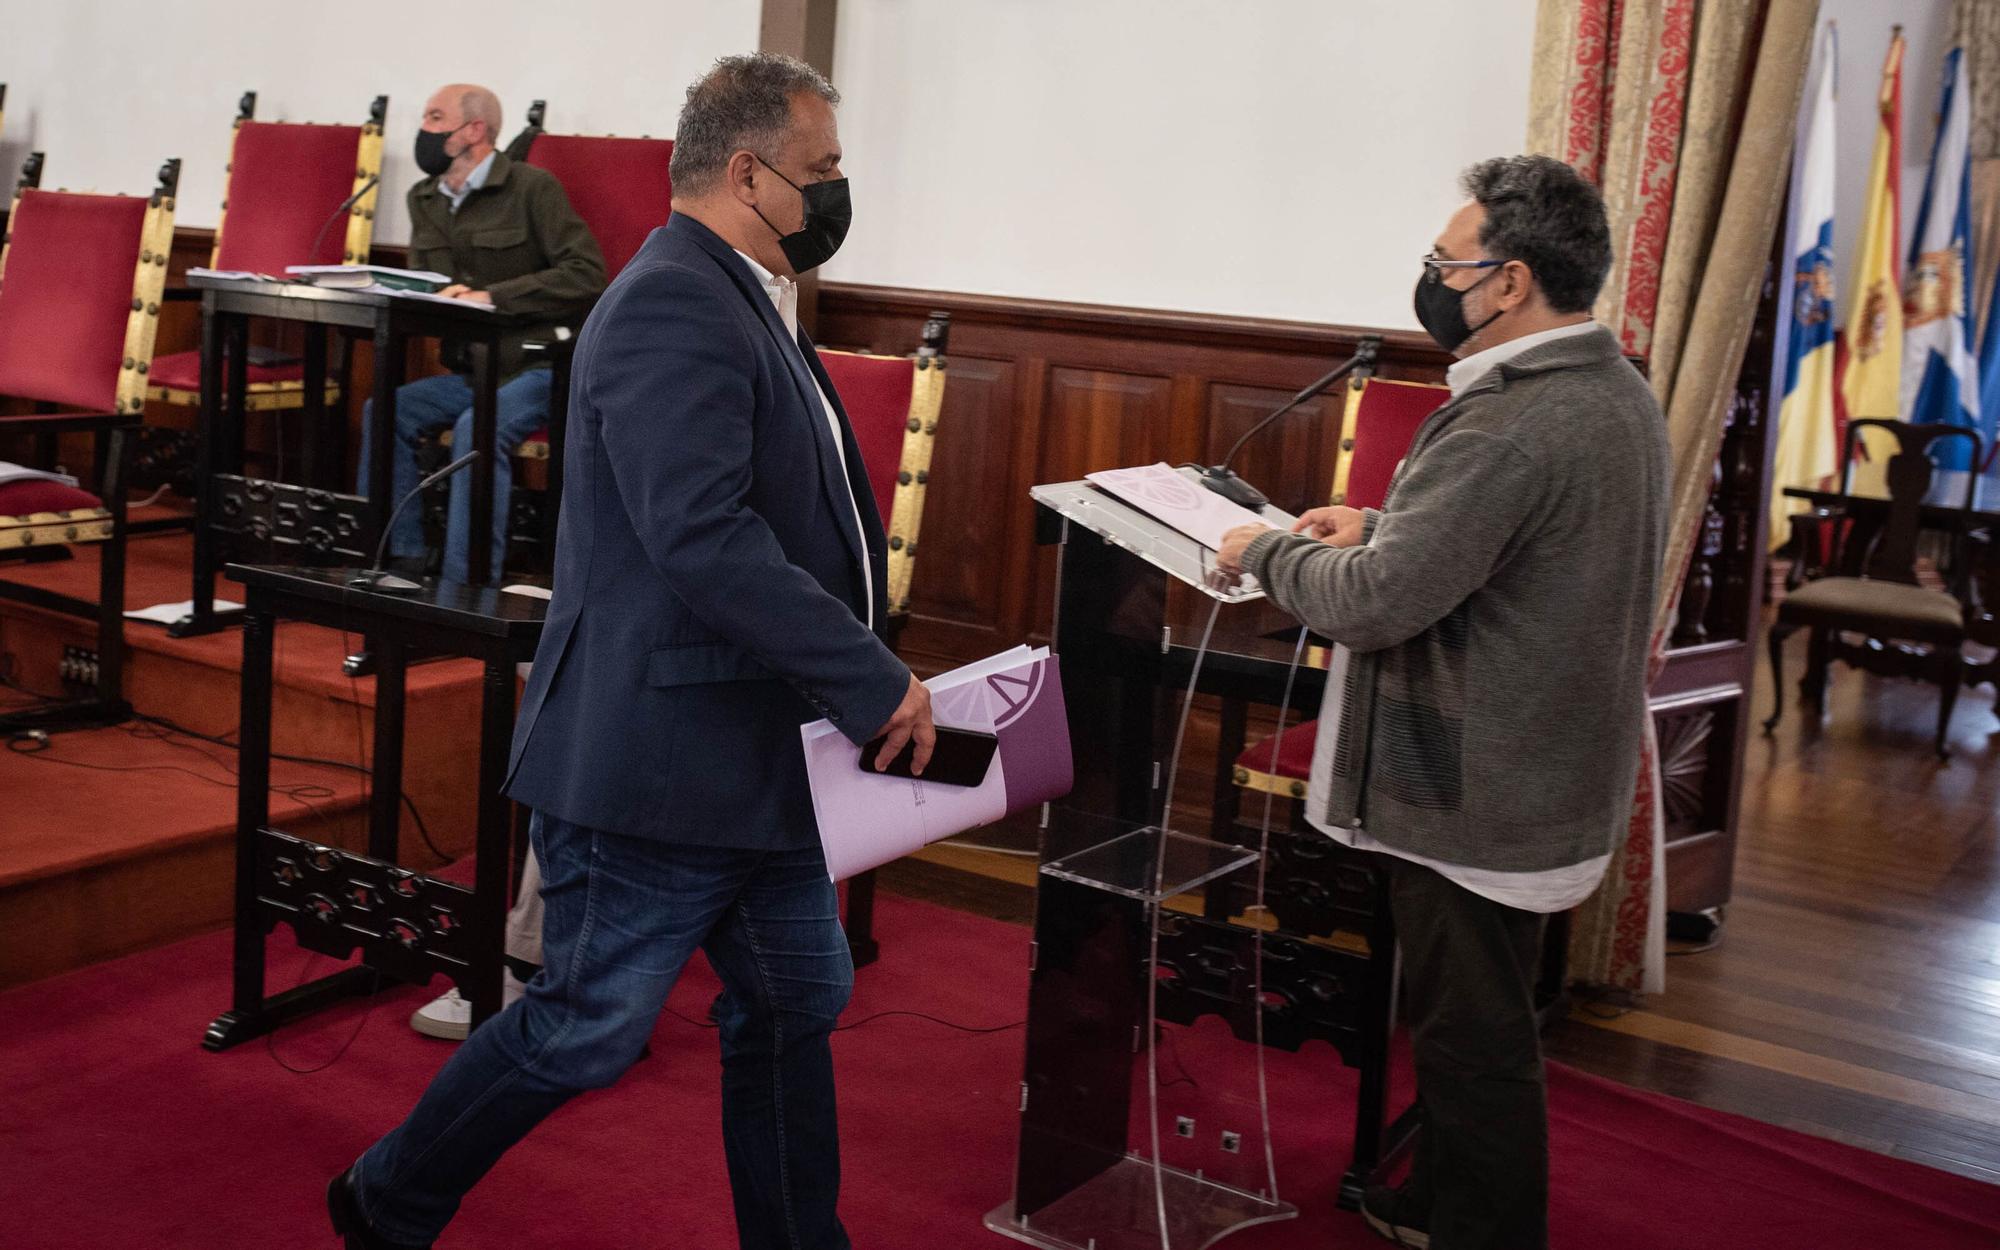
column 623, row 916
column 431, row 404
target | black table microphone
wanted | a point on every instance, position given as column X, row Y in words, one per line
column 375, row 577
column 338, row 213
column 1218, row 478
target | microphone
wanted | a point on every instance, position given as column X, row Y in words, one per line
column 338, row 213
column 375, row 577
column 1218, row 477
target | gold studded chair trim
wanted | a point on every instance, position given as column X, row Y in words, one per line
column 47, row 529
column 913, row 477
column 1269, row 783
column 258, row 396
column 149, row 282
column 367, row 164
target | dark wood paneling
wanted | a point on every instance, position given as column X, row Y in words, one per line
column 1091, row 387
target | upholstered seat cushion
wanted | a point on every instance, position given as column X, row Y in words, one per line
column 1254, row 766
column 44, row 513
column 1890, row 608
column 181, row 371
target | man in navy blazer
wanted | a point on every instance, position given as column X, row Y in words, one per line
column 719, row 582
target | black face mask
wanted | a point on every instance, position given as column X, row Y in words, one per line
column 431, row 156
column 1441, row 310
column 828, row 214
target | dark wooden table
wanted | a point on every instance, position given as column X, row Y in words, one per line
column 406, row 925
column 389, row 322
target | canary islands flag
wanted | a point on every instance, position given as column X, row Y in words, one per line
column 1806, row 452
column 1940, row 369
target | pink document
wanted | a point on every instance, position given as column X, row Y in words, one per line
column 1166, row 494
column 866, row 820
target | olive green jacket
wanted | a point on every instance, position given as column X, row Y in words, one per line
column 516, row 238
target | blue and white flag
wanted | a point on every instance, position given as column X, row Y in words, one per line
column 1940, row 368
column 1806, row 452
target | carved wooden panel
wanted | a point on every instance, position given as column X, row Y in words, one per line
column 957, row 595
column 1291, row 461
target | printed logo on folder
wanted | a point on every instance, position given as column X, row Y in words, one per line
column 867, row 820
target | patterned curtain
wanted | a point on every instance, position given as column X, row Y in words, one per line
column 1651, row 97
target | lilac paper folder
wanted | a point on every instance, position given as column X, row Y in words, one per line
column 867, row 820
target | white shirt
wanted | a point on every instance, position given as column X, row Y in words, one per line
column 1553, row 890
column 785, row 294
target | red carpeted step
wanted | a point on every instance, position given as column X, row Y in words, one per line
column 120, row 1131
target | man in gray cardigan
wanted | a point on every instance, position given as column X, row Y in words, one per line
column 1485, row 699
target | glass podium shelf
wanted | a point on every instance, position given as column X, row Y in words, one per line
column 1131, row 864
column 1120, row 1209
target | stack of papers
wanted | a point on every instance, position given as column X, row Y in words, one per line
column 1165, row 494
column 368, row 277
column 867, row 820
column 11, row 473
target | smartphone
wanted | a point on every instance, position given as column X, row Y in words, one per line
column 960, row 758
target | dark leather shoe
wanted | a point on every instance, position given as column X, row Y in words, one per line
column 347, row 1222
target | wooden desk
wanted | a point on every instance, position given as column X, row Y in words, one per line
column 351, row 526
column 407, row 926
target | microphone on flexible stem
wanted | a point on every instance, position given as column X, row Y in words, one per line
column 313, row 253
column 1218, row 477
column 375, row 577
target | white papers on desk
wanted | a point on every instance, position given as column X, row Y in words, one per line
column 168, row 613
column 1165, row 494
column 364, row 277
column 232, row 275
column 400, row 293
column 866, row 820
column 11, row 473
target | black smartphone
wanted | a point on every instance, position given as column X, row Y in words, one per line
column 960, row 758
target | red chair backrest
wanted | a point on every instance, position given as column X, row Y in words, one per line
column 620, row 187
column 66, row 294
column 1382, row 424
column 285, row 181
column 875, row 391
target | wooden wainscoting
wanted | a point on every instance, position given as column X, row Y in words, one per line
column 1047, row 392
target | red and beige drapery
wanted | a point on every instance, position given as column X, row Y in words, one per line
column 1683, row 111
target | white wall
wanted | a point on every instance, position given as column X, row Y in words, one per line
column 1281, row 158
column 109, row 88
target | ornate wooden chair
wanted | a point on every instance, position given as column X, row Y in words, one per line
column 892, row 402
column 81, row 278
column 281, row 206
column 1871, row 586
column 1380, row 419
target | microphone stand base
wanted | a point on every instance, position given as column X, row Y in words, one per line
column 1233, row 488
column 383, row 582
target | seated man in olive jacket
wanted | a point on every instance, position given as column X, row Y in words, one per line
column 508, row 237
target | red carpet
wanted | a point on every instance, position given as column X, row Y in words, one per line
column 118, row 1131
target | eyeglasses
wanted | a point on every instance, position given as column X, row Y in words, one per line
column 1434, row 265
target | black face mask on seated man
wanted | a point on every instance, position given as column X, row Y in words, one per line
column 431, row 155
column 828, row 213
column 1441, row 309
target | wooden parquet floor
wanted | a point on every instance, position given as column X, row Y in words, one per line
column 1855, row 991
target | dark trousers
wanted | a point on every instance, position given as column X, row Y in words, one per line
column 622, row 917
column 1469, row 970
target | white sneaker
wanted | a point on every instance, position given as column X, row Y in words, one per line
column 449, row 1015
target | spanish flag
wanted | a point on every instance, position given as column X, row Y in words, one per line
column 1872, row 384
column 1806, row 454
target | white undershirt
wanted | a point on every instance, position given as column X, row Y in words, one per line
column 785, row 294
column 1553, row 890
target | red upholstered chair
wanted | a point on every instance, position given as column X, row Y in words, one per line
column 80, row 284
column 286, row 183
column 892, row 402
column 1380, row 420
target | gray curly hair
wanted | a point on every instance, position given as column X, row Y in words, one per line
column 745, row 102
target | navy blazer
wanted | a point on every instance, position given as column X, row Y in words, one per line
column 708, row 577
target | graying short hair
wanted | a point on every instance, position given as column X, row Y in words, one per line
column 1549, row 217
column 745, row 102
column 478, row 104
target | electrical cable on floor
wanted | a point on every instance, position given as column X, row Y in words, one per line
column 271, row 1038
